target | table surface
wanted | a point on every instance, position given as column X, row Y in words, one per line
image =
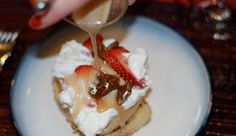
column 219, row 56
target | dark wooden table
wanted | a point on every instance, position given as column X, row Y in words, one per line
column 219, row 56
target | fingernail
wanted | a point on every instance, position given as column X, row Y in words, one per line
column 35, row 22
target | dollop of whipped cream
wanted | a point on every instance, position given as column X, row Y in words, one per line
column 73, row 54
column 66, row 97
column 137, row 62
column 92, row 122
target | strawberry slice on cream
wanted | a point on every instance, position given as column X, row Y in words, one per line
column 119, row 63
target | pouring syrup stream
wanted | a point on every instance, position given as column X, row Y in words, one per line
column 92, row 18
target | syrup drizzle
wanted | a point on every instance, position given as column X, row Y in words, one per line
column 91, row 18
column 97, row 61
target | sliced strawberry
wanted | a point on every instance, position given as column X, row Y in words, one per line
column 118, row 63
column 118, row 53
column 84, row 70
column 88, row 43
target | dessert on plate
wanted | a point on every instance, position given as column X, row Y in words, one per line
column 106, row 100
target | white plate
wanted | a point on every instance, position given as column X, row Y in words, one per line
column 180, row 98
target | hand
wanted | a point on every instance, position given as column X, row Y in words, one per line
column 59, row 9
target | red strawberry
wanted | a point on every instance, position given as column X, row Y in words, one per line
column 88, row 43
column 84, row 70
column 118, row 63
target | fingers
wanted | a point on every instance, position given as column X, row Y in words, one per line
column 58, row 10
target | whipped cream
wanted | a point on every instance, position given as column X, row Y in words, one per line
column 73, row 54
column 66, row 97
column 108, row 42
column 92, row 122
column 137, row 62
